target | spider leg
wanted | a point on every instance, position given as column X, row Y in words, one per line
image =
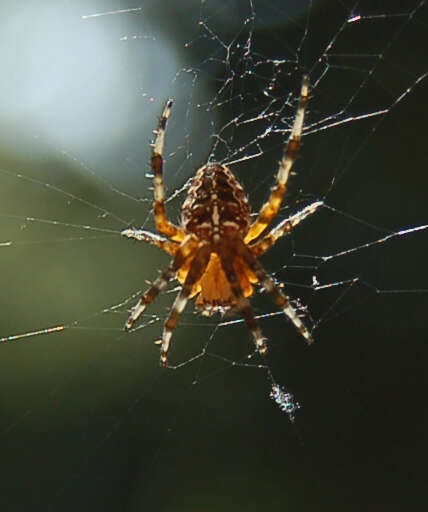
column 271, row 207
column 243, row 305
column 146, row 236
column 197, row 268
column 159, row 284
column 279, row 298
column 162, row 223
column 284, row 227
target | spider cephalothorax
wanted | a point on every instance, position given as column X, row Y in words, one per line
column 216, row 248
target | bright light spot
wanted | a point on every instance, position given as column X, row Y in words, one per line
column 70, row 81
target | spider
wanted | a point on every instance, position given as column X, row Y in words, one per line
column 216, row 248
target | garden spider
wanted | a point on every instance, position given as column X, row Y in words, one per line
column 216, row 248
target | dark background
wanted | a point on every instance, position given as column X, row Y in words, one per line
column 89, row 421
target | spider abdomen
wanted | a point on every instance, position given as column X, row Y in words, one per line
column 216, row 206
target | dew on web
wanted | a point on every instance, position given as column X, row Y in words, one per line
column 285, row 401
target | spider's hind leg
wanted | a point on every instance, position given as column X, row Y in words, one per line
column 242, row 304
column 197, row 268
column 184, row 251
column 280, row 299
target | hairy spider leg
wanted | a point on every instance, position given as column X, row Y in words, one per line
column 197, row 268
column 281, row 300
column 242, row 304
column 185, row 250
column 271, row 207
column 283, row 228
column 141, row 235
column 162, row 223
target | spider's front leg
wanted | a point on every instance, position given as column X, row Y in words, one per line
column 151, row 238
column 284, row 227
column 162, row 223
column 272, row 206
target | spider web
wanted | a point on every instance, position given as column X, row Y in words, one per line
column 100, row 419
